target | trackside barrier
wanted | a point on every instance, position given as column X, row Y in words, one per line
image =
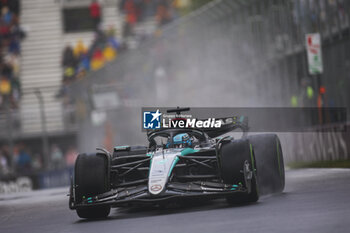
column 322, row 144
column 35, row 180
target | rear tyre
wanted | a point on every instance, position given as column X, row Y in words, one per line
column 236, row 159
column 269, row 161
column 91, row 178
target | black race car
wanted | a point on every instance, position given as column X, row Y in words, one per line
column 179, row 163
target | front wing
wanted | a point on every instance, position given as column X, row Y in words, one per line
column 140, row 194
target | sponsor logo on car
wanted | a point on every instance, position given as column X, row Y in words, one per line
column 158, row 173
column 156, row 187
column 155, row 181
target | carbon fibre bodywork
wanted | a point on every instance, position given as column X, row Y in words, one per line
column 158, row 173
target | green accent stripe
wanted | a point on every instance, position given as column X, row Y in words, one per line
column 187, row 151
column 251, row 156
column 278, row 157
column 150, row 164
column 173, row 165
column 121, row 147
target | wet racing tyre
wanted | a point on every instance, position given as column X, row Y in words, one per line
column 91, row 178
column 269, row 161
column 233, row 156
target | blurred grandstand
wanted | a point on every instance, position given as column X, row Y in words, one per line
column 88, row 66
column 64, row 41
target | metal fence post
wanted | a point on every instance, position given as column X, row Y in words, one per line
column 44, row 136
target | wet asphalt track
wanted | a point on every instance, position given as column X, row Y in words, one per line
column 315, row 200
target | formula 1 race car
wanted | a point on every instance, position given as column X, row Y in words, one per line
column 193, row 163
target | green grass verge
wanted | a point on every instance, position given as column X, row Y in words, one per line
column 321, row 164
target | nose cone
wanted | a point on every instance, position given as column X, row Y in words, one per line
column 160, row 170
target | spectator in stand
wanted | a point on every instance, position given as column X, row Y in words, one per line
column 10, row 37
column 16, row 91
column 4, row 165
column 68, row 63
column 110, row 32
column 163, row 14
column 95, row 13
column 109, row 53
column 68, row 57
column 17, row 32
column 4, row 33
column 3, row 3
column 14, row 6
column 7, row 70
column 70, row 156
column 36, row 164
column 6, row 15
column 13, row 62
column 79, row 50
column 139, row 10
column 131, row 17
column 5, row 152
column 14, row 46
column 97, row 60
column 56, row 157
column 149, row 9
column 23, row 161
column 85, row 62
column 78, row 61
column 5, row 86
column 80, row 54
column 111, row 38
column 182, row 7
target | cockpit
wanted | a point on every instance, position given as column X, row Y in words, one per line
column 176, row 138
column 181, row 140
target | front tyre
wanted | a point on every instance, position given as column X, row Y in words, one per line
column 91, row 177
column 240, row 198
column 237, row 166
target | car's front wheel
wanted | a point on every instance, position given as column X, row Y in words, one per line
column 91, row 178
column 237, row 166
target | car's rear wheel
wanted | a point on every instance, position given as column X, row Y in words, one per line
column 269, row 161
column 91, row 178
column 237, row 166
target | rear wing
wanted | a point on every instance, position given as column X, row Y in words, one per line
column 228, row 124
